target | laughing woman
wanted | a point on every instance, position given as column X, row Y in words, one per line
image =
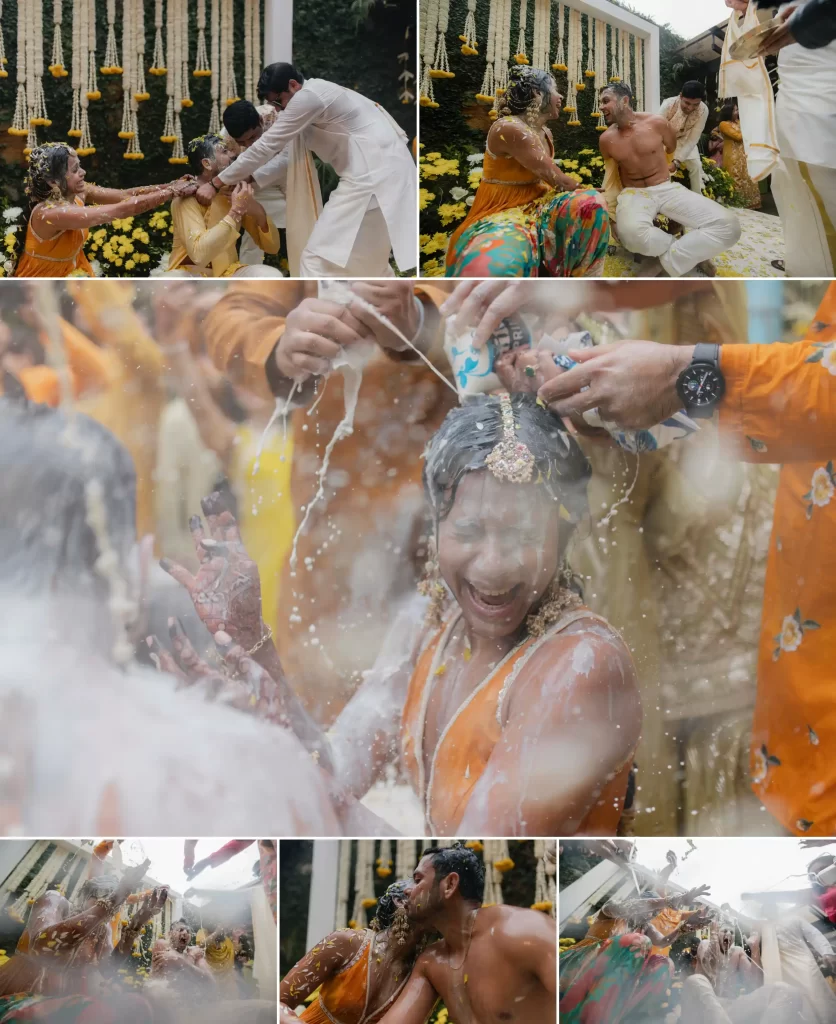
column 59, row 218
column 359, row 973
column 529, row 219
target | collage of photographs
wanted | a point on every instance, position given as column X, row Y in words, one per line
column 505, row 608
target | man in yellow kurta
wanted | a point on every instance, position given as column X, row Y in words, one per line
column 205, row 238
column 361, row 552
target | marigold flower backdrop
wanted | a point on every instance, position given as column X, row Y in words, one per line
column 465, row 55
column 128, row 82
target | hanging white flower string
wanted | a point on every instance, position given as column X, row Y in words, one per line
column 404, row 858
column 140, row 90
column 470, row 45
column 560, row 57
column 487, row 92
column 248, row 50
column 230, row 94
column 591, row 24
column 3, row 58
column 580, row 85
column 384, row 859
column 169, row 133
column 185, row 98
column 34, row 74
column 257, row 55
column 503, row 55
column 90, row 89
column 640, row 74
column 600, row 72
column 201, row 62
column 571, row 107
column 521, row 56
column 614, row 77
column 77, row 74
column 56, row 68
column 133, row 23
column 542, row 34
column 625, row 58
column 214, row 48
column 343, row 880
column 363, row 883
column 111, row 64
column 441, row 65
column 427, row 93
column 20, row 120
column 158, row 65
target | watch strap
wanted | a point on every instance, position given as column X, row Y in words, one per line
column 706, row 353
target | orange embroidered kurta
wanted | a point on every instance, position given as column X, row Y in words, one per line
column 505, row 184
column 54, row 257
column 780, row 407
column 469, row 738
column 344, row 997
column 362, row 538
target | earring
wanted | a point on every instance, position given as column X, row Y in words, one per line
column 432, row 586
column 532, row 112
column 55, row 193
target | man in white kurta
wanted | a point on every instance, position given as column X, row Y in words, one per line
column 373, row 209
column 687, row 114
column 248, row 123
column 805, row 180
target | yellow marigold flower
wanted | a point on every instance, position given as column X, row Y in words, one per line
column 451, row 211
column 143, row 257
column 475, row 845
column 425, row 197
column 130, row 265
column 503, row 864
column 447, row 166
column 474, row 177
column 118, row 262
column 431, row 156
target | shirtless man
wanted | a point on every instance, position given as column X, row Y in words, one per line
column 637, row 148
column 492, row 964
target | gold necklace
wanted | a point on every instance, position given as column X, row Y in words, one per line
column 469, row 940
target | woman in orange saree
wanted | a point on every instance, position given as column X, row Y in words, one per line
column 59, row 219
column 359, row 973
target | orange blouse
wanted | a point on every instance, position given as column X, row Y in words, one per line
column 780, row 407
column 344, row 998
column 54, row 257
column 505, row 184
column 468, row 740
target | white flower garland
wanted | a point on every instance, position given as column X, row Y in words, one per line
column 404, row 858
column 487, row 91
column 560, row 57
column 575, row 55
column 111, row 61
column 579, row 73
column 201, row 63
column 363, row 881
column 427, row 93
column 521, row 56
column 56, row 68
column 590, row 46
column 503, row 52
column 470, row 44
column 215, row 32
column 229, row 89
column 90, row 92
column 384, row 859
column 343, row 878
column 170, row 130
column 441, row 65
column 158, row 65
column 541, row 50
column 614, row 77
column 625, row 56
column 20, row 121
column 178, row 13
column 185, row 98
column 132, row 23
column 3, row 58
column 248, row 50
column 640, row 74
column 600, row 72
column 140, row 90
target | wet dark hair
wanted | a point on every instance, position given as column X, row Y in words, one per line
column 469, row 434
column 692, row 91
column 98, row 888
column 464, row 862
column 240, row 117
column 620, row 89
column 47, row 461
column 388, row 904
column 200, row 149
column 277, row 77
column 181, row 923
column 524, row 84
column 48, row 165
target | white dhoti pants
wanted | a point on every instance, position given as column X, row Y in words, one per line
column 693, row 165
column 714, row 229
column 770, row 1004
column 806, row 198
column 369, row 254
column 274, row 202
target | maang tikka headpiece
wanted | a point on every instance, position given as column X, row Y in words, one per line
column 510, row 460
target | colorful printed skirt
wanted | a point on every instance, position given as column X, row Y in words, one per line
column 78, row 1009
column 621, row 980
column 561, row 234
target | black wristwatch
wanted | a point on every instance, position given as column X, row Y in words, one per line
column 701, row 385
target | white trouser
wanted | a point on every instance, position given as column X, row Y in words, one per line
column 693, row 165
column 771, row 1004
column 714, row 229
column 241, row 272
column 369, row 254
column 806, row 198
column 273, row 201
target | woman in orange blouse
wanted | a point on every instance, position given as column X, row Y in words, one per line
column 359, row 973
column 59, row 219
column 529, row 219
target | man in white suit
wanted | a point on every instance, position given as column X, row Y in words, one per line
column 687, row 114
column 373, row 209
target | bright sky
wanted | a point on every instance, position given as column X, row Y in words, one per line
column 732, row 866
column 166, row 856
column 687, row 19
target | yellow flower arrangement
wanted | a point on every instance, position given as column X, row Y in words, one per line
column 474, row 844
column 126, row 135
column 202, row 73
column 474, row 177
column 186, row 102
column 112, row 69
column 432, row 268
column 425, row 197
column 141, row 97
column 469, row 51
column 157, row 72
column 434, row 243
column 93, row 96
column 503, row 864
column 168, row 138
column 559, row 67
column 439, row 73
column 520, row 58
column 58, row 71
column 544, row 905
column 368, row 903
column 448, row 212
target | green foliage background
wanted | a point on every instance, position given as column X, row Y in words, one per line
column 462, row 119
column 331, row 40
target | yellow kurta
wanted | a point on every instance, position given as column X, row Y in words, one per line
column 205, row 237
column 133, row 402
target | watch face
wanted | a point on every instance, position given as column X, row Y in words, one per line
column 701, row 385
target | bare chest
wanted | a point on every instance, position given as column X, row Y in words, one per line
column 637, row 148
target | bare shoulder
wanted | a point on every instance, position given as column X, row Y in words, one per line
column 507, row 130
column 607, row 138
column 512, row 922
column 590, row 647
column 346, row 941
column 654, row 121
